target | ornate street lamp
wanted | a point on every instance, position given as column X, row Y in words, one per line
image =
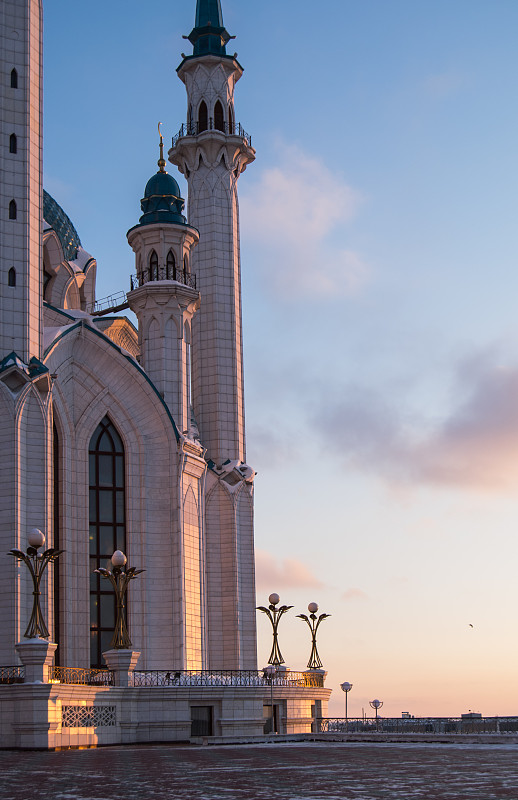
column 119, row 579
column 376, row 704
column 36, row 564
column 314, row 659
column 346, row 688
column 274, row 614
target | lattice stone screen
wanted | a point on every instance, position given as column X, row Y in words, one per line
column 88, row 716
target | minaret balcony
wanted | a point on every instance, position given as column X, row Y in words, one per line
column 163, row 274
column 227, row 128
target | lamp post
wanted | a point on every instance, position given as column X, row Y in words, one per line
column 274, row 614
column 270, row 670
column 376, row 704
column 346, row 688
column 314, row 659
column 119, row 579
column 36, row 564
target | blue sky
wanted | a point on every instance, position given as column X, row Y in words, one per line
column 379, row 295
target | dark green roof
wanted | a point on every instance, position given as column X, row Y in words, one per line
column 54, row 216
column 209, row 36
column 162, row 201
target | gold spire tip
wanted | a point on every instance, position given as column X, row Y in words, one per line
column 161, row 160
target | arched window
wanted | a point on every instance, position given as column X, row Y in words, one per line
column 11, row 277
column 190, row 121
column 107, row 530
column 13, row 143
column 14, row 79
column 13, row 210
column 230, row 119
column 219, row 117
column 171, row 266
column 203, row 117
column 153, row 266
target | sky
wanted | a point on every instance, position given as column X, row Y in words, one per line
column 380, row 288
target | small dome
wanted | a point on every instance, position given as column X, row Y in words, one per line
column 162, row 201
column 162, row 184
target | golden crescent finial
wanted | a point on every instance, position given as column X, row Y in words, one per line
column 161, row 160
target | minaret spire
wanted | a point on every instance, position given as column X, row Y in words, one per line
column 209, row 34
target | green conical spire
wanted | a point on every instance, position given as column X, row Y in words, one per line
column 209, row 36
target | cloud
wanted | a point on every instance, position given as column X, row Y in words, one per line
column 291, row 216
column 354, row 594
column 474, row 446
column 273, row 575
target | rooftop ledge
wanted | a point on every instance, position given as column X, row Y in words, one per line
column 226, row 128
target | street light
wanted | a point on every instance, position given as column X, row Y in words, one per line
column 346, row 687
column 274, row 614
column 314, row 659
column 376, row 704
column 120, row 579
column 36, row 564
column 270, row 671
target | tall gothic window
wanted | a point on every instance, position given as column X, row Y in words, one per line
column 107, row 530
column 219, row 117
column 153, row 266
column 13, row 143
column 170, row 266
column 230, row 119
column 203, row 117
column 13, row 210
column 14, row 79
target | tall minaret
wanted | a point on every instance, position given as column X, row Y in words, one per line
column 21, row 184
column 212, row 150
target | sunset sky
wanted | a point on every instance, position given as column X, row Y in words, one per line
column 380, row 297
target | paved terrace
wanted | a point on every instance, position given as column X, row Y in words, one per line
column 312, row 771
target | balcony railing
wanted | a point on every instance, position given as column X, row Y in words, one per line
column 81, row 677
column 195, row 128
column 239, row 678
column 163, row 274
column 420, row 725
column 10, row 675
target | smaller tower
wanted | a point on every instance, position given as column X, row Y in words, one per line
column 164, row 295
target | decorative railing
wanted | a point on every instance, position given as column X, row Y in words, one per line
column 81, row 677
column 239, row 678
column 113, row 301
column 195, row 128
column 10, row 675
column 163, row 274
column 420, row 725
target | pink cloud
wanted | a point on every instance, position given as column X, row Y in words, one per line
column 273, row 575
column 354, row 594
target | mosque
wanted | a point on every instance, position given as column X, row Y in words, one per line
column 132, row 439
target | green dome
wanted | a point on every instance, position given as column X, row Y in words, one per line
column 56, row 218
column 162, row 201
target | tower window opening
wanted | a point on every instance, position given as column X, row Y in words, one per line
column 153, row 266
column 203, row 117
column 219, row 117
column 107, row 530
column 13, row 210
column 190, row 121
column 14, row 79
column 11, row 277
column 171, row 266
column 230, row 119
column 13, row 143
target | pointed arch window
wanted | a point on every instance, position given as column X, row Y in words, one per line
column 107, row 530
column 11, row 277
column 14, row 79
column 203, row 117
column 13, row 210
column 153, row 266
column 219, row 117
column 190, row 121
column 13, row 143
column 230, row 119
column 171, row 266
